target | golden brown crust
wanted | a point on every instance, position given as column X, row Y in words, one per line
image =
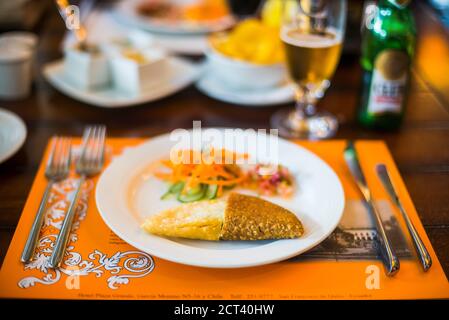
column 252, row 218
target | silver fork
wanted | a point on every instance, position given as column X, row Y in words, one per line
column 89, row 164
column 57, row 169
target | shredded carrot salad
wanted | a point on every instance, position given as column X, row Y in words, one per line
column 216, row 167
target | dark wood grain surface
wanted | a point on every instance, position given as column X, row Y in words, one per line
column 420, row 147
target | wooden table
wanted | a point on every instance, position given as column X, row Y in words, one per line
column 420, row 148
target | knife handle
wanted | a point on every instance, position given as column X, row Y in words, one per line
column 421, row 250
column 389, row 258
column 424, row 256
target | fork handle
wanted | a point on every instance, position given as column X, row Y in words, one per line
column 33, row 236
column 63, row 237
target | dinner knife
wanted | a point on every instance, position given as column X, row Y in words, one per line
column 421, row 250
column 389, row 258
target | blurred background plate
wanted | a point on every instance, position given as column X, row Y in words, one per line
column 105, row 25
column 182, row 74
column 12, row 134
column 127, row 12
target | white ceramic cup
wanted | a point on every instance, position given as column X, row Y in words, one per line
column 15, row 73
column 16, row 64
column 20, row 39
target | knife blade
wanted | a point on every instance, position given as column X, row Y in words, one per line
column 389, row 258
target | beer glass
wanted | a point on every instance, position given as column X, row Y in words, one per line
column 312, row 32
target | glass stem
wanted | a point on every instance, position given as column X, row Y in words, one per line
column 305, row 105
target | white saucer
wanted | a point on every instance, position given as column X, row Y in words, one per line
column 183, row 73
column 214, row 88
column 12, row 134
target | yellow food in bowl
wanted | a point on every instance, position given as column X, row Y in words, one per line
column 251, row 41
column 135, row 56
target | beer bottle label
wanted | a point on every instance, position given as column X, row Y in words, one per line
column 388, row 82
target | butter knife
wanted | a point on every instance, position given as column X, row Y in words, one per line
column 421, row 250
column 389, row 258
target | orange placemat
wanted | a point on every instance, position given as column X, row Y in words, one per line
column 100, row 265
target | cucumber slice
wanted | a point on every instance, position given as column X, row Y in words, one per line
column 166, row 195
column 174, row 189
column 212, row 191
column 195, row 190
column 194, row 194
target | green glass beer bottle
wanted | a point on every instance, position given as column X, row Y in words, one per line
column 388, row 45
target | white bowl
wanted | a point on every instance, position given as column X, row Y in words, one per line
column 244, row 75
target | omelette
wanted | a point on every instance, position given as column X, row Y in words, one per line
column 239, row 217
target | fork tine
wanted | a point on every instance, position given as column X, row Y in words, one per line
column 69, row 155
column 58, row 160
column 99, row 152
column 59, row 151
column 86, row 136
column 92, row 148
column 103, row 145
column 52, row 152
column 59, row 155
column 64, row 156
column 92, row 155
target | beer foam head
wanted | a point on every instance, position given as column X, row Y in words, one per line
column 298, row 38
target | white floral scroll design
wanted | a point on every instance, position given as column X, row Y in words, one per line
column 121, row 266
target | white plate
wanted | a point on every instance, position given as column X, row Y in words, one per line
column 104, row 27
column 194, row 45
column 183, row 73
column 12, row 134
column 126, row 12
column 214, row 88
column 125, row 196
